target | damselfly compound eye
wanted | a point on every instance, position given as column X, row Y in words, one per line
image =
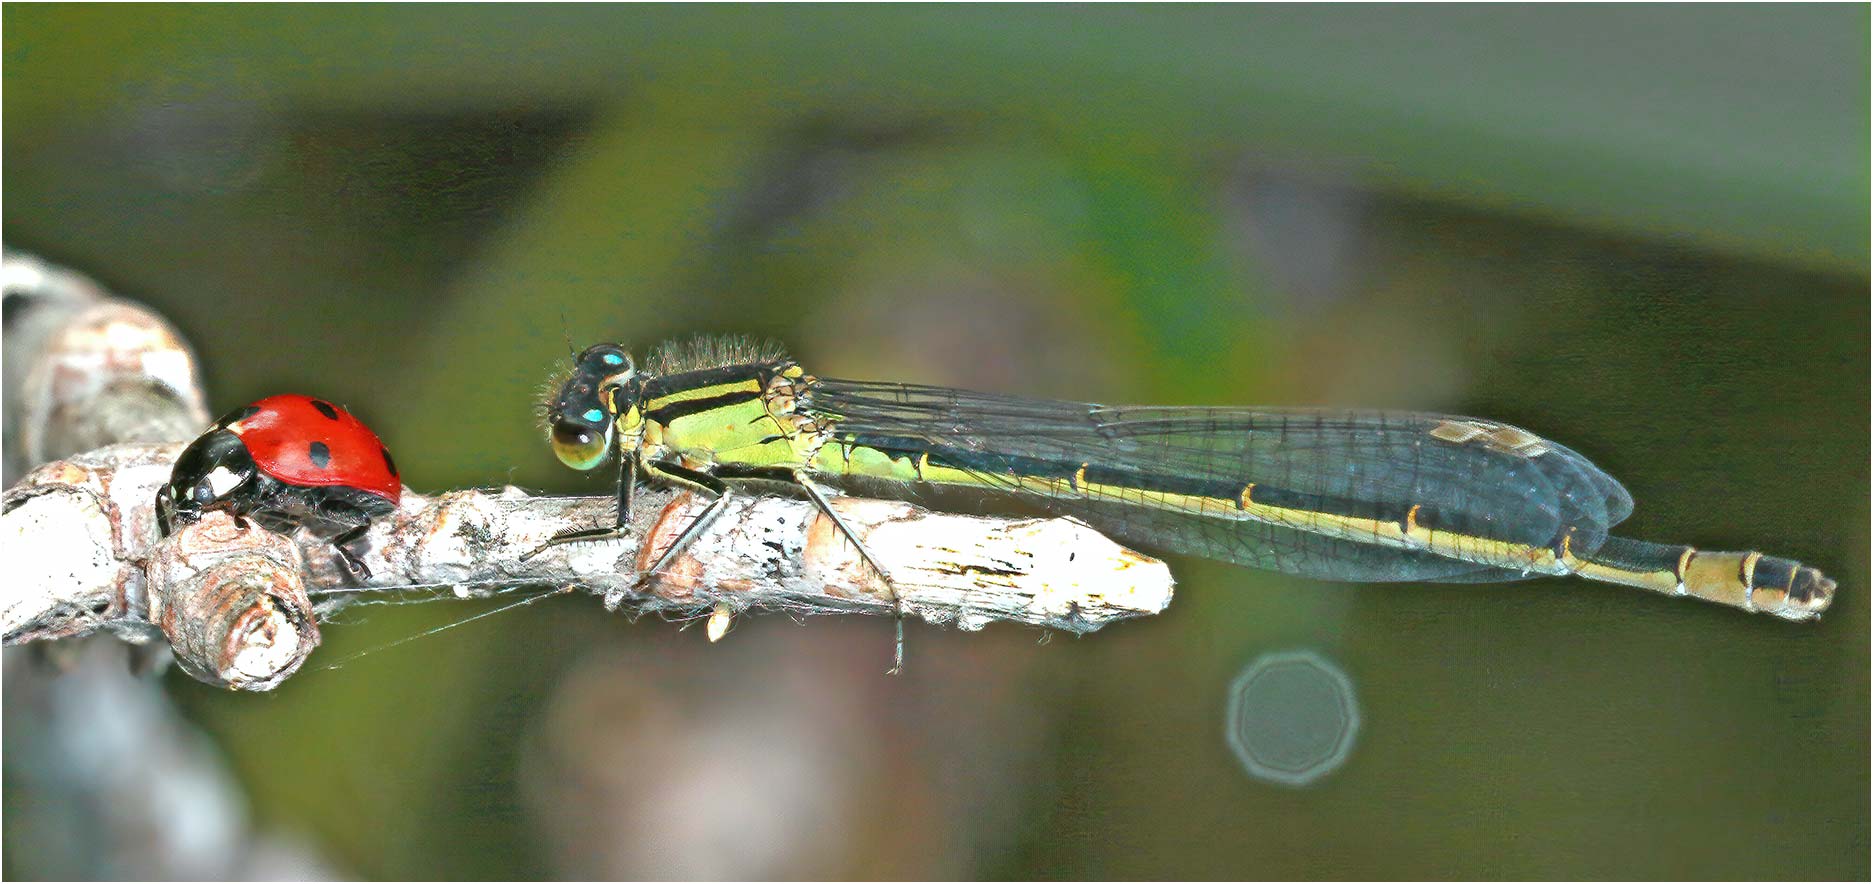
column 581, row 446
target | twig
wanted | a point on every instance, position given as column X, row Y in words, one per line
column 240, row 607
column 237, row 610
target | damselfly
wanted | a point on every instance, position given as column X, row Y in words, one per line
column 1337, row 495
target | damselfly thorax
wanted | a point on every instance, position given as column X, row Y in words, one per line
column 746, row 415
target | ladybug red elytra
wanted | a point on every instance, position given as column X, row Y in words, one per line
column 289, row 462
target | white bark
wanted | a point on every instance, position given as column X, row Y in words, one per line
column 81, row 533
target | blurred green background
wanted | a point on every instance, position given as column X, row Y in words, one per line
column 1640, row 230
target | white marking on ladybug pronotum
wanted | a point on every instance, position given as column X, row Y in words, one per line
column 222, row 480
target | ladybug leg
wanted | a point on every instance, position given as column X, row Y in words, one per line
column 342, row 543
column 337, row 511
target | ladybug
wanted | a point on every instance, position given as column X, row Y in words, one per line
column 288, row 462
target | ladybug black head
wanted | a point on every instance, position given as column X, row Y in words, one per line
column 604, row 382
column 214, row 472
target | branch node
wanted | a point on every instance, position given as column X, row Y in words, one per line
column 233, row 602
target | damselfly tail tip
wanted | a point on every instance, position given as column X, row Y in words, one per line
column 1807, row 596
column 1751, row 581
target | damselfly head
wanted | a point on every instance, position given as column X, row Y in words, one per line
column 579, row 418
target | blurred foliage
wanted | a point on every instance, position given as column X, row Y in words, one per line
column 1641, row 230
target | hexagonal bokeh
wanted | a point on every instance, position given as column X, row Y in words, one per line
column 1292, row 717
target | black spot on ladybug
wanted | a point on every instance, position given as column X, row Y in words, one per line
column 321, row 455
column 237, row 415
column 388, row 463
column 325, row 408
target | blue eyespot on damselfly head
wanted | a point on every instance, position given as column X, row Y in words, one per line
column 605, row 360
